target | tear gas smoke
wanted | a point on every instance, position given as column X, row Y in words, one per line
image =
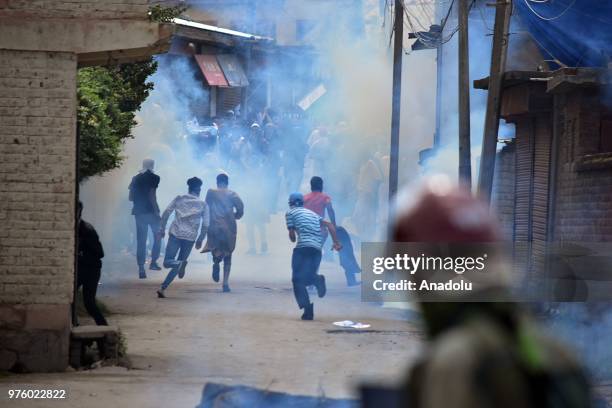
column 355, row 129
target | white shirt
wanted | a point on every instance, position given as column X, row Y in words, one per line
column 188, row 210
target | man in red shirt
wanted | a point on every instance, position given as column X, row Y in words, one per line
column 319, row 202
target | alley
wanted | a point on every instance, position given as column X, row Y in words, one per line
column 251, row 336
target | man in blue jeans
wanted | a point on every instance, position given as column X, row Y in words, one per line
column 305, row 227
column 190, row 214
column 146, row 213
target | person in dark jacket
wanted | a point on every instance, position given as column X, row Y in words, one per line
column 143, row 194
column 89, row 266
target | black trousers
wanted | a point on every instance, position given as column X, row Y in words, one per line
column 305, row 263
column 347, row 256
column 89, row 277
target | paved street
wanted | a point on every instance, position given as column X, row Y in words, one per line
column 251, row 336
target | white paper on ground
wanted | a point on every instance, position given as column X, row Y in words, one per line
column 351, row 324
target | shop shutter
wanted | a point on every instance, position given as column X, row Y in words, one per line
column 541, row 182
column 523, row 196
column 228, row 99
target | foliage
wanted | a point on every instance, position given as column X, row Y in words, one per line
column 161, row 14
column 108, row 98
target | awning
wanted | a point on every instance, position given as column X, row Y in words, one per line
column 211, row 70
column 233, row 70
column 200, row 26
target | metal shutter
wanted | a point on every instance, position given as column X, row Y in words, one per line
column 541, row 182
column 523, row 188
column 229, row 98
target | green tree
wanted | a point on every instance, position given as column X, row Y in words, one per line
column 108, row 98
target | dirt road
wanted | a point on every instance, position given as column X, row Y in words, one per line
column 251, row 336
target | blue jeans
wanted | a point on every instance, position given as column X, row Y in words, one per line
column 143, row 223
column 305, row 263
column 175, row 245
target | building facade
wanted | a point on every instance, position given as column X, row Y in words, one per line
column 42, row 43
column 553, row 184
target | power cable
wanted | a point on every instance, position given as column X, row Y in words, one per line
column 541, row 17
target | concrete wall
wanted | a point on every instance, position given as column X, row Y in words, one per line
column 93, row 9
column 37, row 194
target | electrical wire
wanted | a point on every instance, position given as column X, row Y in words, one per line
column 412, row 22
column 483, row 18
column 541, row 17
column 554, row 59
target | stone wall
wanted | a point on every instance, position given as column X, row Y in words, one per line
column 37, row 195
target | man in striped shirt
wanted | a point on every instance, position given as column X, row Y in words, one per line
column 305, row 227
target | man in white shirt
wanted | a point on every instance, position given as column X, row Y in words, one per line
column 190, row 214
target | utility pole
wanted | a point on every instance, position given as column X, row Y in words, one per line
column 498, row 64
column 465, row 166
column 398, row 51
column 247, row 50
column 439, row 56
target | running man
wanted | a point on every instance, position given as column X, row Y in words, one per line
column 306, row 256
column 319, row 202
column 146, row 213
column 190, row 214
column 225, row 208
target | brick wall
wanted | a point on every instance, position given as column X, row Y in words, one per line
column 37, row 166
column 584, row 197
column 99, row 9
column 38, row 160
column 37, row 193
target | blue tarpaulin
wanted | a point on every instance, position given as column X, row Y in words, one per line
column 578, row 33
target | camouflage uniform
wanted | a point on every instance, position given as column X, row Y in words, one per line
column 481, row 354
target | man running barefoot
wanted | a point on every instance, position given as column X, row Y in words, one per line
column 305, row 227
column 225, row 208
column 190, row 214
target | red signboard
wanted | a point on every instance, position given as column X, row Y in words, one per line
column 211, row 70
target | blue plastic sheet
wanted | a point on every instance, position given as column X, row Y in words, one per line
column 578, row 33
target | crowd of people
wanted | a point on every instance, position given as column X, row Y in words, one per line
column 283, row 152
column 531, row 368
column 269, row 156
column 195, row 219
